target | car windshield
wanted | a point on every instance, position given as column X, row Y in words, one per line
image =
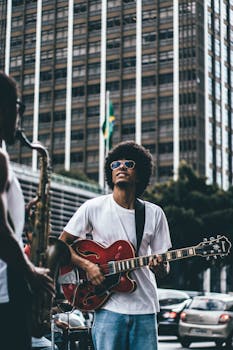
column 171, row 301
column 207, row 304
column 171, row 297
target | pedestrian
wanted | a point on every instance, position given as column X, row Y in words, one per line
column 19, row 278
column 126, row 321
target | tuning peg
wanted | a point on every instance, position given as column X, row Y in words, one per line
column 207, row 258
column 215, row 257
column 205, row 239
column 219, row 236
column 211, row 238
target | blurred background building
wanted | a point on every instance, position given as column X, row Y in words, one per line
column 167, row 66
column 66, row 195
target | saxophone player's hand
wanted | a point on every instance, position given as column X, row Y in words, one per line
column 40, row 280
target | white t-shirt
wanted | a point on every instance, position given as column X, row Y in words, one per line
column 109, row 222
column 16, row 209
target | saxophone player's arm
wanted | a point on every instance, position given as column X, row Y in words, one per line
column 93, row 271
column 10, row 250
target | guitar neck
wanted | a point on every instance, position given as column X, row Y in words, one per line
column 138, row 262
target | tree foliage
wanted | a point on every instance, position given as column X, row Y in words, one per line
column 194, row 210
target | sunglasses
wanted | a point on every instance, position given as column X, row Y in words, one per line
column 129, row 164
column 20, row 107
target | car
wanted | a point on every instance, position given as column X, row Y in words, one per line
column 208, row 318
column 172, row 303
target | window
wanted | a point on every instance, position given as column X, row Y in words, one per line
column 80, row 8
column 59, row 115
column 61, row 33
column 113, row 65
column 113, row 43
column 16, row 41
column 148, row 105
column 78, row 91
column 45, row 96
column 129, row 84
column 148, row 59
column 93, row 69
column 79, row 50
column 29, row 79
column 45, row 117
column 93, row 89
column 62, row 12
column 128, row 129
column 165, row 102
column 148, row 38
column 128, row 109
column 30, row 39
column 93, row 111
column 58, row 159
column 76, row 157
column 46, row 55
column 30, row 18
column 94, row 47
column 129, row 41
column 165, row 147
column 45, row 76
column 16, row 61
column 149, row 81
column 17, row 21
column 148, row 126
column 60, row 73
column 30, row 58
column 48, row 15
column 113, row 22
column 77, row 135
column 166, row 78
column 94, row 25
column 47, row 35
column 61, row 53
column 79, row 71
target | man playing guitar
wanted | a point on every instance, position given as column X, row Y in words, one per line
column 125, row 321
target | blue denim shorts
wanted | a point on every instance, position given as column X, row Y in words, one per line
column 115, row 331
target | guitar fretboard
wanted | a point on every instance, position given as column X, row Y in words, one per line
column 138, row 262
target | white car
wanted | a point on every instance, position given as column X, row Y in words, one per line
column 208, row 318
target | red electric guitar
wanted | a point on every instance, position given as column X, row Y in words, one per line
column 116, row 262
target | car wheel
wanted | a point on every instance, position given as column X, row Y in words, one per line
column 185, row 342
column 229, row 342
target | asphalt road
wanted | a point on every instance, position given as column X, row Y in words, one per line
column 171, row 343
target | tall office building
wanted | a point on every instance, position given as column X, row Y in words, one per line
column 167, row 65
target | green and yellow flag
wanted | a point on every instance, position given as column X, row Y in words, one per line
column 108, row 126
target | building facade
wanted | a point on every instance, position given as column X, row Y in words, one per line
column 166, row 63
column 65, row 195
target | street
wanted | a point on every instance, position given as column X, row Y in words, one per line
column 171, row 343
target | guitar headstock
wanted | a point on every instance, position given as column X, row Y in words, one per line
column 214, row 247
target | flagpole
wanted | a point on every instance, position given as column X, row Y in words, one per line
column 138, row 133
column 102, row 91
column 107, row 123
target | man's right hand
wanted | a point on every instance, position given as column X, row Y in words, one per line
column 94, row 273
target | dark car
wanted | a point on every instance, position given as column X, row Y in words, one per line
column 172, row 302
column 208, row 318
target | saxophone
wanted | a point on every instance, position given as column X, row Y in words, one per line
column 46, row 251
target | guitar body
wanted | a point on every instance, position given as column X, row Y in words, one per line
column 83, row 294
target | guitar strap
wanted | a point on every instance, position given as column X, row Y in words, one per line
column 139, row 221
